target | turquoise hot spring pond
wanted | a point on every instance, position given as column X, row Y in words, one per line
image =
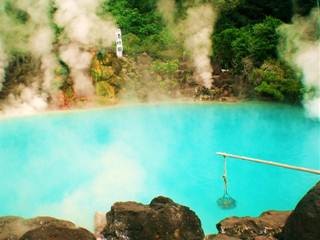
column 71, row 165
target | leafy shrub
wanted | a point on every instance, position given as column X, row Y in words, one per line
column 277, row 82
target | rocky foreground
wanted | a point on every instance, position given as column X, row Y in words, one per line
column 164, row 219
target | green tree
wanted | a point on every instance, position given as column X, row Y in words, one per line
column 143, row 27
column 222, row 47
column 243, row 12
column 264, row 40
column 131, row 19
column 276, row 81
column 143, row 6
column 257, row 42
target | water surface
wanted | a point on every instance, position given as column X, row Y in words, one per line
column 71, row 165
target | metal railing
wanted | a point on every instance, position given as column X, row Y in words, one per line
column 276, row 164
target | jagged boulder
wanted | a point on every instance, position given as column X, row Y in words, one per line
column 161, row 219
column 58, row 233
column 267, row 226
column 14, row 227
column 304, row 222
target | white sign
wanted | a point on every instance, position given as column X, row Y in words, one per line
column 119, row 45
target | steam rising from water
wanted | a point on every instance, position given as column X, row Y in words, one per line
column 300, row 46
column 120, row 177
column 28, row 102
column 309, row 61
column 100, row 175
column 196, row 31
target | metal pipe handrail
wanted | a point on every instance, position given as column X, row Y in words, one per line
column 276, row 164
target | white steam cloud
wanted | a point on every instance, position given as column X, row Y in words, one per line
column 83, row 30
column 195, row 31
column 79, row 62
column 41, row 46
column 120, row 176
column 41, row 41
column 309, row 62
column 30, row 101
column 35, row 37
column 198, row 31
column 300, row 46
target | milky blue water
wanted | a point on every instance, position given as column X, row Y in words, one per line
column 71, row 165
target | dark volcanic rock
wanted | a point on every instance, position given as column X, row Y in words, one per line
column 226, row 237
column 13, row 228
column 267, row 226
column 161, row 219
column 58, row 233
column 220, row 237
column 304, row 222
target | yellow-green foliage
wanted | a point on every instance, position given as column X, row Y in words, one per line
column 105, row 71
column 104, row 89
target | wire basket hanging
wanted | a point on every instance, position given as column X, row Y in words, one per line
column 226, row 201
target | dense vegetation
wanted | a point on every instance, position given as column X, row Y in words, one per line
column 143, row 27
column 244, row 42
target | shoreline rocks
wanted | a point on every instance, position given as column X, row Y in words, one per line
column 14, row 228
column 267, row 226
column 303, row 223
column 58, row 233
column 162, row 219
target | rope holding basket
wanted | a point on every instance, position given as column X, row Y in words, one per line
column 226, row 201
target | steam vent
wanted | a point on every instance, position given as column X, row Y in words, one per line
column 159, row 119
